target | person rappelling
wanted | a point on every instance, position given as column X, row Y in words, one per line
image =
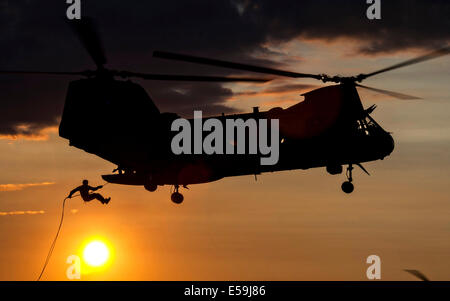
column 86, row 196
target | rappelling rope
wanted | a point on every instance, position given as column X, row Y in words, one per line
column 50, row 252
column 54, row 240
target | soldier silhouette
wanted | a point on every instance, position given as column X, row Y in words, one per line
column 86, row 196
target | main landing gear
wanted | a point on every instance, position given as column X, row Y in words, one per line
column 177, row 197
column 347, row 186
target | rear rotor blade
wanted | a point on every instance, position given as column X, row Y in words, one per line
column 390, row 93
column 429, row 56
column 194, row 78
column 89, row 37
column 225, row 64
column 86, row 73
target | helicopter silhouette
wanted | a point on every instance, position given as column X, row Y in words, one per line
column 117, row 120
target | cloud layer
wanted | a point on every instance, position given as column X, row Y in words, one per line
column 16, row 187
column 35, row 37
column 28, row 212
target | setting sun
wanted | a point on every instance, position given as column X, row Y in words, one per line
column 96, row 253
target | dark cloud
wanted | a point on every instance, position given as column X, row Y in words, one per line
column 34, row 36
column 404, row 23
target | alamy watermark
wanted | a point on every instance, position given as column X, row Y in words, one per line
column 374, row 270
column 214, row 142
column 74, row 9
column 374, row 10
column 74, row 270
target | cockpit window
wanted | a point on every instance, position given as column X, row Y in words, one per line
column 368, row 127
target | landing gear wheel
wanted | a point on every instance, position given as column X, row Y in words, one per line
column 347, row 187
column 177, row 198
column 151, row 187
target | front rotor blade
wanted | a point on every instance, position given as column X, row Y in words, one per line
column 194, row 78
column 418, row 274
column 390, row 93
column 89, row 37
column 429, row 56
column 225, row 64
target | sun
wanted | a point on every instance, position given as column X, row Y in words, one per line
column 96, row 253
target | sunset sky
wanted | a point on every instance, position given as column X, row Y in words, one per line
column 295, row 225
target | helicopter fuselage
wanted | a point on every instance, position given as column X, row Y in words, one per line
column 328, row 129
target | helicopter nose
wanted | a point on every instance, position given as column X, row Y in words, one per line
column 390, row 144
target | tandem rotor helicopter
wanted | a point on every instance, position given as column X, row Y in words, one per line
column 330, row 128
